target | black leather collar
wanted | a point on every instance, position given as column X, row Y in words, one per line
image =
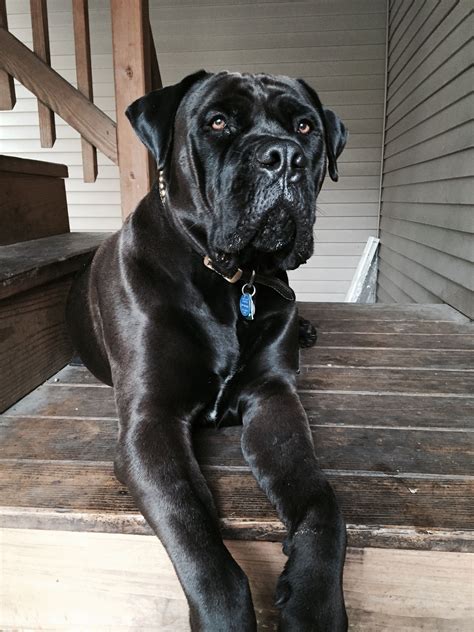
column 279, row 286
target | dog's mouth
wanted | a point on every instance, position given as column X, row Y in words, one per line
column 276, row 232
column 273, row 239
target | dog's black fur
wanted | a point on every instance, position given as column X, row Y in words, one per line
column 243, row 158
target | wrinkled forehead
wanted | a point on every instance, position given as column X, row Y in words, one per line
column 251, row 92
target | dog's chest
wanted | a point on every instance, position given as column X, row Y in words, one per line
column 232, row 350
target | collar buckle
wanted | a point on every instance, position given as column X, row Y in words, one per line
column 233, row 279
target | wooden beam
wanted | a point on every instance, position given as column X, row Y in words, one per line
column 80, row 13
column 132, row 73
column 7, row 88
column 68, row 103
column 39, row 26
column 156, row 83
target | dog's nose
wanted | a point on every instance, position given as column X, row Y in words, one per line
column 282, row 156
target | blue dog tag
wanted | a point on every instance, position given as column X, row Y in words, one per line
column 247, row 306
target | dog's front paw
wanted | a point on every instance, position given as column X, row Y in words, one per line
column 307, row 335
column 307, row 602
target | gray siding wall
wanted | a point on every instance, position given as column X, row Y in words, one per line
column 427, row 217
column 336, row 45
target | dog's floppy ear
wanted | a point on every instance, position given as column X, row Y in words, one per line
column 334, row 130
column 152, row 116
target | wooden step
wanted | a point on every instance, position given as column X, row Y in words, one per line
column 393, row 429
column 32, row 199
column 35, row 277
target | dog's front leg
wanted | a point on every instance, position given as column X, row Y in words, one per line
column 156, row 462
column 277, row 444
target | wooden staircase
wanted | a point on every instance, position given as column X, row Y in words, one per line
column 38, row 259
column 389, row 395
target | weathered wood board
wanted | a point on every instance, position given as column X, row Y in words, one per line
column 60, row 581
column 392, row 428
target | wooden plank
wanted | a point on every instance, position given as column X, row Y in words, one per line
column 396, row 341
column 58, row 94
column 82, row 46
column 12, row 164
column 385, row 450
column 364, row 408
column 39, row 25
column 132, row 78
column 34, row 342
column 388, row 381
column 29, row 264
column 98, row 574
column 360, row 325
column 31, row 207
column 378, row 311
column 7, row 87
column 431, row 360
column 413, row 500
column 340, row 378
column 360, row 408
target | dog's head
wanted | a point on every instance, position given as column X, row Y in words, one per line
column 243, row 157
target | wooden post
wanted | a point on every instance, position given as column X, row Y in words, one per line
column 39, row 25
column 7, row 88
column 132, row 73
column 80, row 13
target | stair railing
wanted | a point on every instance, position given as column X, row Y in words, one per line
column 136, row 71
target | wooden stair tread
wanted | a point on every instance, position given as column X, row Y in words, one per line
column 392, row 429
column 31, row 263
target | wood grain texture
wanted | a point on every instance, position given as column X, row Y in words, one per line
column 395, row 439
column 34, row 342
column 82, row 45
column 29, row 264
column 384, row 450
column 367, row 498
column 356, row 408
column 58, row 94
column 31, row 207
column 132, row 77
column 58, row 580
column 40, row 31
column 7, row 87
column 378, row 311
column 12, row 164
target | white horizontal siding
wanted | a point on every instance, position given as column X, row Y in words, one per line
column 427, row 223
column 336, row 45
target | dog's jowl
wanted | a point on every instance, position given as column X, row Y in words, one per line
column 186, row 311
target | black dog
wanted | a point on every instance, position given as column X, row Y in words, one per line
column 165, row 315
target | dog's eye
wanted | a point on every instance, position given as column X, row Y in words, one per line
column 218, row 123
column 304, row 127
